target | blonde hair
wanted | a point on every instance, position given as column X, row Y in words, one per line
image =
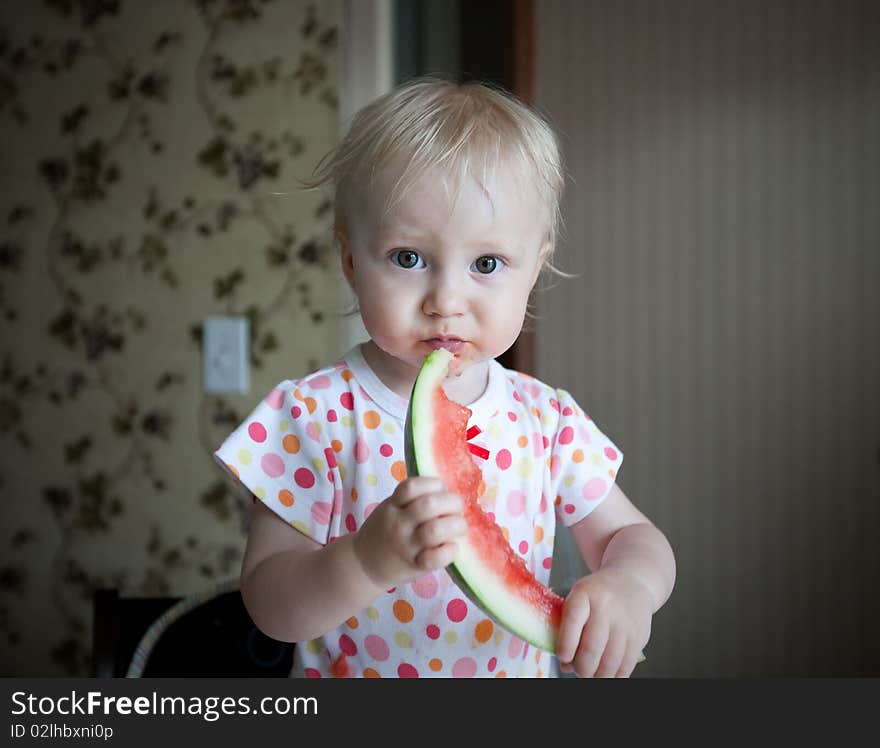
column 466, row 129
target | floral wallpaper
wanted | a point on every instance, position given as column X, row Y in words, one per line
column 150, row 155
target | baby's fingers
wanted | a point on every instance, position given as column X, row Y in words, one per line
column 431, row 559
column 575, row 614
column 440, row 530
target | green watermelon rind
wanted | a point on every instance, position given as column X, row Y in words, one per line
column 480, row 584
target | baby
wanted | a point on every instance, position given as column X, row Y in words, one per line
column 447, row 210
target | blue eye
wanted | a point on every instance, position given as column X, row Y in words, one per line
column 487, row 265
column 406, row 259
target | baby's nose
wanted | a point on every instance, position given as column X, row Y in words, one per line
column 445, row 297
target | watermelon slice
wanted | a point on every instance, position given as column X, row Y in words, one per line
column 486, row 569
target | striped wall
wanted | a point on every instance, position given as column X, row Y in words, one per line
column 723, row 213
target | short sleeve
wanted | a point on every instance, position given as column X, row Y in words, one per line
column 284, row 461
column 583, row 463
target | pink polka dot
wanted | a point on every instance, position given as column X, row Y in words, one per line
column 426, row 586
column 492, row 664
column 554, row 403
column 304, row 478
column 511, row 415
column 405, row 670
column 456, row 610
column 610, row 453
column 257, row 432
column 539, row 444
column 272, row 465
column 594, row 489
column 516, row 502
column 368, row 509
column 347, row 645
column 503, row 459
column 547, row 562
column 321, row 512
column 319, row 383
column 555, row 466
column 296, row 411
column 361, row 451
column 466, row 667
column 566, row 436
column 515, row 646
column 312, row 673
column 350, row 522
column 525, row 651
column 568, row 411
column 346, row 399
column 312, row 431
column 376, row 647
column 433, row 632
column 568, row 508
column 517, row 396
column 584, row 434
column 331, row 416
column 330, row 456
column 275, row 399
column 523, row 547
column 542, row 507
column 386, row 450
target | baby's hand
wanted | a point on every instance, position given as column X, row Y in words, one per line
column 411, row 533
column 606, row 622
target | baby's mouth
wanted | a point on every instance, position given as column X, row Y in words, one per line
column 453, row 345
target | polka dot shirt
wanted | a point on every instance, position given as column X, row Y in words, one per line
column 322, row 452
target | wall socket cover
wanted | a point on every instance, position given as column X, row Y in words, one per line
column 225, row 348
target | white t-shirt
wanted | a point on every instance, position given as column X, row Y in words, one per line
column 323, row 451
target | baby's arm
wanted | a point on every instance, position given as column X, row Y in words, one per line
column 607, row 615
column 296, row 589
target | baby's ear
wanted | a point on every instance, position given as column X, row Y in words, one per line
column 543, row 253
column 345, row 256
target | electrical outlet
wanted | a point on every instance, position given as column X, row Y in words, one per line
column 225, row 347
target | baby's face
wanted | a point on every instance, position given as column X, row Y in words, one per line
column 432, row 272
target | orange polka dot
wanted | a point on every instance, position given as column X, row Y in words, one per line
column 346, row 375
column 483, row 631
column 481, row 489
column 537, row 656
column 371, row 419
column 298, row 395
column 234, row 471
column 558, row 501
column 403, row 611
column 539, row 534
column 398, row 471
column 578, row 455
column 353, row 622
column 501, row 674
column 536, row 413
column 354, row 494
column 370, row 673
column 611, row 474
column 494, row 414
column 337, row 445
column 435, row 665
column 285, row 497
column 523, row 441
column 291, row 444
column 506, row 533
column 311, row 404
column 540, row 673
